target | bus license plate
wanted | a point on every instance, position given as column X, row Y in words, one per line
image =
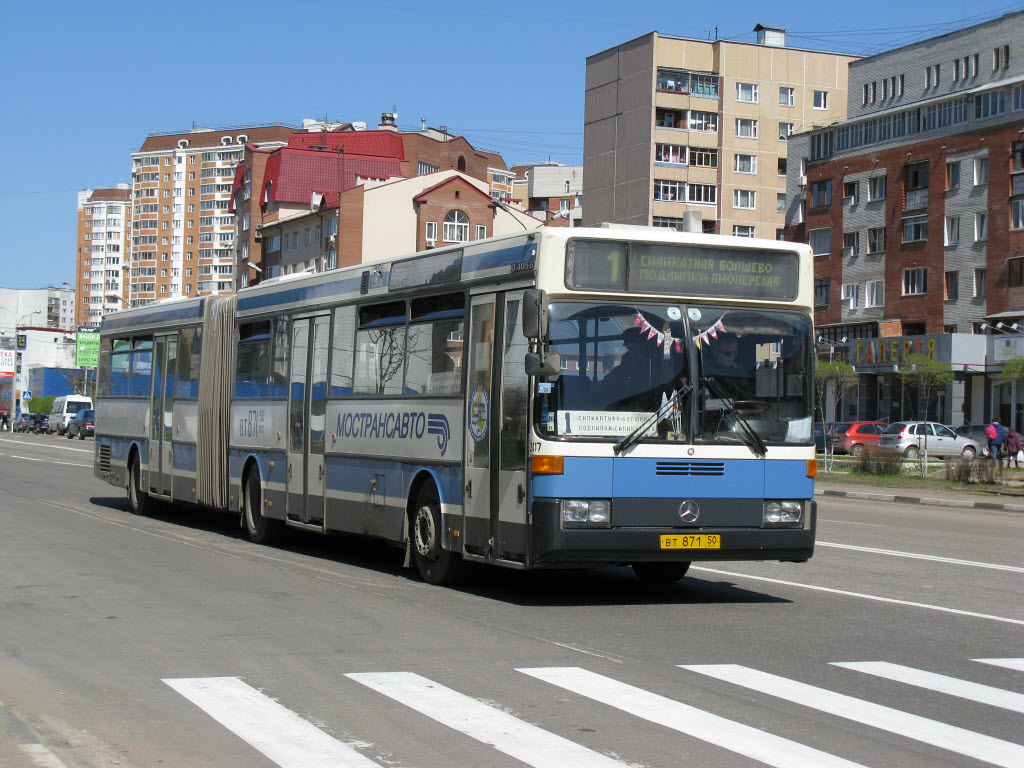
column 694, row 541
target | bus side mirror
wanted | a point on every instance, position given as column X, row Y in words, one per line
column 535, row 313
column 546, row 365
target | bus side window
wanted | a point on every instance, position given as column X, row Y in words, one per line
column 103, row 370
column 120, row 365
column 190, row 342
column 380, row 350
column 435, row 346
column 278, row 385
column 142, row 367
column 252, row 365
column 341, row 351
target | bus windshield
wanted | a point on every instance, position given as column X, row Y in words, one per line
column 715, row 373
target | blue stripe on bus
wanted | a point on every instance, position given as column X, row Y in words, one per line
column 595, row 477
column 333, row 289
column 353, row 476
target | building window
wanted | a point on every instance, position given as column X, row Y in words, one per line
column 670, row 153
column 782, row 166
column 951, row 290
column 851, row 191
column 915, row 229
column 787, row 97
column 780, row 202
column 876, row 188
column 980, row 226
column 980, row 282
column 876, row 240
column 481, row 231
column 821, row 193
column 743, row 230
column 917, row 186
column 671, row 191
column 820, row 241
column 850, row 295
column 1016, row 272
column 989, row 104
column 1017, row 213
column 746, row 128
column 431, row 232
column 915, row 281
column 703, row 121
column 821, row 99
column 746, row 164
column 785, row 131
column 704, row 158
column 821, row 292
column 746, row 92
column 952, row 175
column 702, row 193
column 744, row 198
column 952, row 233
column 669, row 118
column 874, row 293
column 980, row 170
column 851, row 243
column 456, row 227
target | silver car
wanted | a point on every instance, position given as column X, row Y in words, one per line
column 912, row 437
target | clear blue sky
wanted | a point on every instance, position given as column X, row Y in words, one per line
column 82, row 84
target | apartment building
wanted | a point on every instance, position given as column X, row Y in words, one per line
column 673, row 124
column 182, row 223
column 914, row 208
column 101, row 252
column 551, row 192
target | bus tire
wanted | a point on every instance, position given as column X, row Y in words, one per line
column 436, row 565
column 660, row 573
column 139, row 502
column 260, row 528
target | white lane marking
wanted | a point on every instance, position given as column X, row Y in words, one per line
column 862, row 596
column 274, row 730
column 42, row 756
column 983, row 694
column 48, row 461
column 850, row 522
column 1017, row 664
column 915, row 556
column 948, row 737
column 736, row 737
column 516, row 738
column 46, row 445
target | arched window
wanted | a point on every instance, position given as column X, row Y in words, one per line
column 456, row 227
column 462, row 164
column 266, row 192
column 242, row 139
column 183, row 144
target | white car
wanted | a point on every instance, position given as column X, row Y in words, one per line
column 912, row 438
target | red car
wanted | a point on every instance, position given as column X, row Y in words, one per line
column 857, row 436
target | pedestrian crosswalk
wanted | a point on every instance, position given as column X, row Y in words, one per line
column 292, row 742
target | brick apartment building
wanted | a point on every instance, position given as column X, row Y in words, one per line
column 673, row 124
column 914, row 208
column 101, row 252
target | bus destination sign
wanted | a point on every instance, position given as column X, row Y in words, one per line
column 691, row 270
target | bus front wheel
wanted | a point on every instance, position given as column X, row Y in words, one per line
column 436, row 565
column 138, row 500
column 660, row 573
column 260, row 528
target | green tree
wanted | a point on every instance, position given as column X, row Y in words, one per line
column 929, row 377
column 1014, row 371
column 832, row 380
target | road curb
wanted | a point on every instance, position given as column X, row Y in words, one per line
column 890, row 497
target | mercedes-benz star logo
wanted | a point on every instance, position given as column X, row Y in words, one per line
column 689, row 511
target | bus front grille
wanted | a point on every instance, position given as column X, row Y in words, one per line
column 691, row 468
column 104, row 458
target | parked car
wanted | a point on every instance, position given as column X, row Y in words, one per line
column 83, row 424
column 23, row 423
column 39, row 423
column 857, row 436
column 911, row 438
column 820, row 430
column 975, row 432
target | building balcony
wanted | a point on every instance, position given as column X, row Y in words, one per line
column 917, row 199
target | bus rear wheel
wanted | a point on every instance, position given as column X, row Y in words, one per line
column 138, row 500
column 436, row 565
column 660, row 573
column 260, row 528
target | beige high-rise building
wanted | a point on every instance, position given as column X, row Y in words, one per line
column 673, row 124
column 101, row 253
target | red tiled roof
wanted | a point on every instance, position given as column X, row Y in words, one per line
column 371, row 143
column 294, row 173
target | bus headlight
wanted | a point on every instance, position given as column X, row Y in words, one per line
column 782, row 514
column 586, row 513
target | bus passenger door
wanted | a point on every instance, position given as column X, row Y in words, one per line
column 316, row 395
column 509, row 519
column 295, row 479
column 160, row 421
column 476, row 503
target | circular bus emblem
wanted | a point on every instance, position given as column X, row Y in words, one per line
column 689, row 511
column 479, row 405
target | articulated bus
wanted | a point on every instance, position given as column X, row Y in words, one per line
column 554, row 398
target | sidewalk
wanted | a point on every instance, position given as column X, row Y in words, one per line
column 936, row 496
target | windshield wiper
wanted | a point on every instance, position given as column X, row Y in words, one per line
column 654, row 418
column 752, row 440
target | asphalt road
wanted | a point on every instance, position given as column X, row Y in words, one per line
column 172, row 641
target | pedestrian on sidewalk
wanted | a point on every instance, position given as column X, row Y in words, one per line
column 996, row 434
column 1012, row 447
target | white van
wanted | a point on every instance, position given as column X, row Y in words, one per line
column 64, row 410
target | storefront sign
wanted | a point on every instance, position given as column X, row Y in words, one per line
column 896, row 349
